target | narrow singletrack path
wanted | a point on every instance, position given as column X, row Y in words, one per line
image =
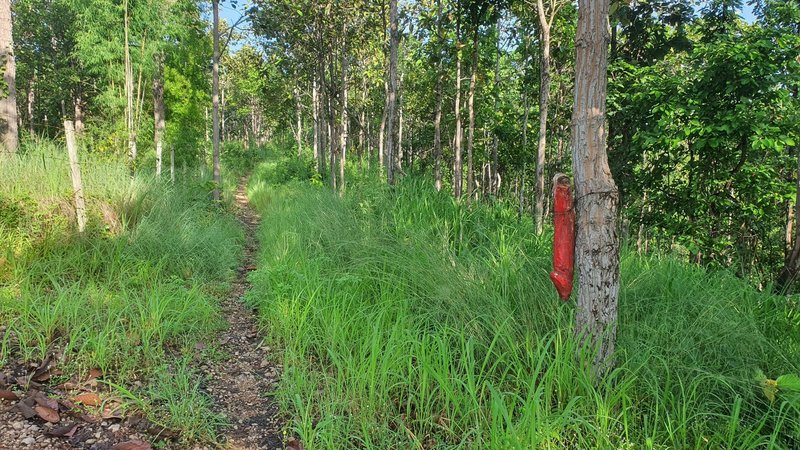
column 242, row 382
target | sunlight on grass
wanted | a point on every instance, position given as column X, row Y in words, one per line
column 408, row 320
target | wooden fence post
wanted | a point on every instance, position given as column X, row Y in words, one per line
column 75, row 172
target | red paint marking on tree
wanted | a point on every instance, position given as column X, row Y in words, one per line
column 564, row 236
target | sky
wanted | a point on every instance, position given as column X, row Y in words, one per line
column 232, row 15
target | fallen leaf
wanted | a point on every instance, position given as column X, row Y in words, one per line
column 47, row 374
column 26, row 410
column 94, row 373
column 67, row 386
column 132, row 445
column 42, row 368
column 47, row 414
column 8, row 395
column 112, row 413
column 294, row 444
column 41, row 400
column 65, row 431
column 88, row 399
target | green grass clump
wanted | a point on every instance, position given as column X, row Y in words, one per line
column 409, row 320
column 132, row 295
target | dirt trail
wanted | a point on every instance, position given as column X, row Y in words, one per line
column 241, row 384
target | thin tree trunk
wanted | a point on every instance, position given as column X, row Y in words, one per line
column 315, row 115
column 437, row 118
column 473, row 81
column 9, row 120
column 344, row 125
column 172, row 163
column 79, row 123
column 494, row 187
column 401, row 124
column 597, row 244
column 457, row 163
column 129, row 113
column 382, row 135
column 299, row 118
column 392, row 98
column 31, row 103
column 158, row 109
column 217, row 178
column 362, row 132
column 788, row 273
column 544, row 101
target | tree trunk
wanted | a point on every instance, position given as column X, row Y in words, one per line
column 315, row 116
column 344, row 125
column 788, row 273
column 299, row 119
column 9, row 122
column 217, row 178
column 129, row 113
column 457, row 164
column 401, row 123
column 494, row 187
column 31, row 103
column 362, row 128
column 158, row 109
column 544, row 100
column 79, row 123
column 437, row 116
column 473, row 81
column 382, row 135
column 391, row 164
column 597, row 244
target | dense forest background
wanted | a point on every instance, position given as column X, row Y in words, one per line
column 702, row 123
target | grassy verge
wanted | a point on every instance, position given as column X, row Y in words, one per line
column 133, row 296
column 409, row 320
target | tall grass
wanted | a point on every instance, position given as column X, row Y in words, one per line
column 409, row 320
column 131, row 296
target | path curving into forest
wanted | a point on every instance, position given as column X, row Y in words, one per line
column 241, row 384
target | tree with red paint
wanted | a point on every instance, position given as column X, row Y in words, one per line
column 597, row 243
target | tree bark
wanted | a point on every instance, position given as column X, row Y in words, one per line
column 401, row 124
column 788, row 273
column 344, row 125
column 299, row 119
column 457, row 163
column 216, row 177
column 79, row 112
column 597, row 244
column 494, row 187
column 544, row 101
column 31, row 103
column 473, row 81
column 382, row 131
column 315, row 116
column 129, row 112
column 9, row 121
column 437, row 116
column 391, row 164
column 158, row 110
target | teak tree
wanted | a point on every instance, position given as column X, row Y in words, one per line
column 8, row 94
column 597, row 243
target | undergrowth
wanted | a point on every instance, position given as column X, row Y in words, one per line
column 410, row 320
column 132, row 295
